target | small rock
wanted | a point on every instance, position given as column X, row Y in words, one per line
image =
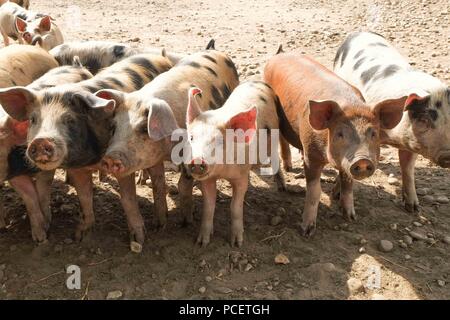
column 202, row 290
column 386, row 245
column 354, row 286
column 394, row 226
column 281, row 259
column 363, row 241
column 428, row 199
column 113, row 295
column 68, row 241
column 135, row 39
column 275, row 220
column 135, row 247
column 417, row 224
column 329, row 267
column 393, row 181
column 408, row 240
column 417, row 235
column 248, row 267
column 442, row 200
column 377, row 296
column 362, row 250
column 407, row 257
column 441, row 283
column 148, row 182
column 281, row 211
column 208, row 278
column 423, row 191
column 223, row 290
column 446, row 239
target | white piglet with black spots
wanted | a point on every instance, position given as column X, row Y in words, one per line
column 370, row 63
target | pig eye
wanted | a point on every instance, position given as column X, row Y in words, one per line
column 143, row 129
column 33, row 119
column 340, row 134
column 191, row 138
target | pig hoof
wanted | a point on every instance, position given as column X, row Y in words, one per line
column 350, row 215
column 236, row 241
column 39, row 235
column 138, row 235
column 203, row 239
column 309, row 230
column 288, row 168
column 411, row 207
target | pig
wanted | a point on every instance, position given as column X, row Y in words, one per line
column 43, row 31
column 369, row 62
column 96, row 55
column 17, row 169
column 334, row 125
column 12, row 17
column 23, row 3
column 145, row 120
column 252, row 107
column 70, row 127
column 20, row 65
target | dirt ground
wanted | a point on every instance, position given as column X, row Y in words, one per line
column 338, row 262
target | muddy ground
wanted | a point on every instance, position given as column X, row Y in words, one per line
column 334, row 264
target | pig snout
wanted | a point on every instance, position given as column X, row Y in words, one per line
column 198, row 167
column 444, row 160
column 113, row 163
column 362, row 168
column 42, row 150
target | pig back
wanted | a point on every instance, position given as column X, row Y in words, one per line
column 20, row 65
column 211, row 71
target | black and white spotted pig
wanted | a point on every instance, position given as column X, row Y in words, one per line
column 70, row 127
column 13, row 21
column 253, row 107
column 380, row 72
column 96, row 55
column 16, row 168
column 143, row 128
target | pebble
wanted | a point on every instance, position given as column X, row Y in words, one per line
column 281, row 259
column 393, row 181
column 68, row 241
column 441, row 283
column 394, row 226
column 329, row 267
column 202, row 290
column 354, row 286
column 417, row 236
column 417, row 224
column 362, row 250
column 442, row 200
column 408, row 240
column 377, row 296
column 135, row 247
column 386, row 245
column 113, row 295
column 407, row 257
column 248, row 267
column 428, row 199
column 223, row 290
column 423, row 191
column 446, row 239
column 208, row 278
column 275, row 221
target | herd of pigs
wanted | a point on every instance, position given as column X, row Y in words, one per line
column 97, row 105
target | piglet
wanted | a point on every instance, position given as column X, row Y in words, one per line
column 241, row 127
column 334, row 124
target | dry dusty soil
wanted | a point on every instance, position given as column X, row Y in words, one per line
column 338, row 262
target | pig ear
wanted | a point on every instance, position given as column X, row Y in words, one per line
column 321, row 113
column 19, row 130
column 17, row 102
column 96, row 103
column 161, row 121
column 45, row 24
column 114, row 95
column 390, row 112
column 416, row 103
column 21, row 25
column 244, row 121
column 193, row 109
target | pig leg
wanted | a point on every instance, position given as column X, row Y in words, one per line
column 81, row 179
column 312, row 199
column 26, row 189
column 5, row 38
column 407, row 162
column 240, row 187
column 159, row 193
column 2, row 214
column 44, row 181
column 142, row 177
column 209, row 191
column 285, row 154
column 185, row 186
column 131, row 208
column 346, row 196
